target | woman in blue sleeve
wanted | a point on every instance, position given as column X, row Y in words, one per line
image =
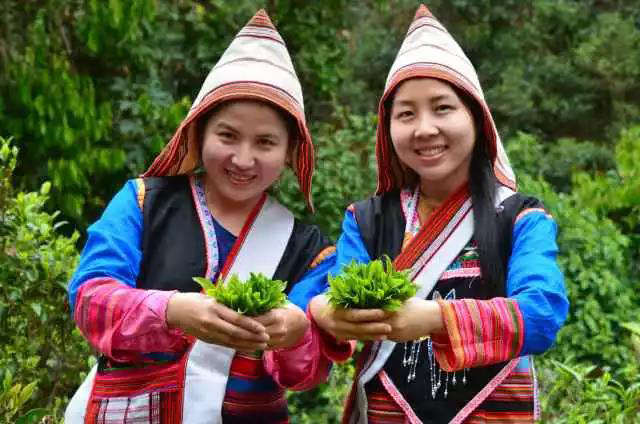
column 490, row 293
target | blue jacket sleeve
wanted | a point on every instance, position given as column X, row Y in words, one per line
column 535, row 281
column 350, row 246
column 113, row 243
column 312, row 283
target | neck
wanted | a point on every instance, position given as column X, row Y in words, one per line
column 433, row 194
column 229, row 213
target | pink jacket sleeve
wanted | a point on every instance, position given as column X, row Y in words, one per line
column 307, row 364
column 124, row 323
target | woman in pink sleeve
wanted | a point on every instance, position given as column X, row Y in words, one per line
column 169, row 354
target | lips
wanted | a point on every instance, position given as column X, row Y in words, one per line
column 240, row 178
column 431, row 151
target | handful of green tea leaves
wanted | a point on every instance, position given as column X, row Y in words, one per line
column 370, row 286
column 256, row 296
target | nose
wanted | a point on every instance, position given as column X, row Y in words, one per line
column 426, row 126
column 243, row 157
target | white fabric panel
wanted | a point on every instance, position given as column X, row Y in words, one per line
column 74, row 414
column 208, row 364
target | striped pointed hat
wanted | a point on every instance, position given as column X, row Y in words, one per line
column 430, row 51
column 257, row 66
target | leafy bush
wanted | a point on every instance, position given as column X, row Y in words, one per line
column 581, row 393
column 42, row 356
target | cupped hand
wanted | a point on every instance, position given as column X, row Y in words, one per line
column 201, row 316
column 415, row 319
column 285, row 326
column 350, row 324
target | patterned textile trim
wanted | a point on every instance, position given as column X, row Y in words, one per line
column 151, row 394
column 324, row 253
column 140, row 191
column 466, row 265
column 206, row 222
column 251, row 394
column 485, row 392
column 537, row 413
column 383, row 409
column 138, row 381
column 466, row 272
column 365, row 356
column 510, row 402
column 432, row 228
column 478, row 332
column 265, row 29
column 398, row 398
column 526, row 212
column 153, row 408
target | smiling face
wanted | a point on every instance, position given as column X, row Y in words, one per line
column 433, row 133
column 244, row 151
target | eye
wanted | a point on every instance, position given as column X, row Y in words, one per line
column 404, row 114
column 226, row 135
column 444, row 108
column 266, row 142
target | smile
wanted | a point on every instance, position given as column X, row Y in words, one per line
column 239, row 179
column 430, row 152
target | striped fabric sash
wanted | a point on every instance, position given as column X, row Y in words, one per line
column 427, row 255
column 258, row 248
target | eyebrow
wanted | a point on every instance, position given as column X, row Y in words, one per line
column 434, row 99
column 225, row 126
column 268, row 135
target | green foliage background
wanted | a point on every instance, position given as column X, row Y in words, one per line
column 90, row 91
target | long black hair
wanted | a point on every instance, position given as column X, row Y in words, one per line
column 482, row 184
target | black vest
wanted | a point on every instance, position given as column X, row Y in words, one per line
column 173, row 243
column 382, row 224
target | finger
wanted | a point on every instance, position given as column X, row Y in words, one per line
column 364, row 329
column 363, row 315
column 232, row 317
column 276, row 330
column 270, row 318
column 232, row 333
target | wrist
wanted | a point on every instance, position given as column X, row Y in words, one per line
column 434, row 312
column 171, row 313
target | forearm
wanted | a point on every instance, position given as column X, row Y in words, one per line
column 124, row 323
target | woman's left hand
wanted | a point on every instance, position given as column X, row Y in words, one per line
column 416, row 318
column 285, row 326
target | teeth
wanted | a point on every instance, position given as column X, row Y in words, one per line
column 430, row 151
column 239, row 178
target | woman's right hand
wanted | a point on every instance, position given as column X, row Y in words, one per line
column 349, row 324
column 201, row 316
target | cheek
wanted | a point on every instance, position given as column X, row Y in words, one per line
column 214, row 152
column 277, row 162
column 400, row 136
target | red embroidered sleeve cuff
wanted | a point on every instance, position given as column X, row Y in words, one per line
column 478, row 333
